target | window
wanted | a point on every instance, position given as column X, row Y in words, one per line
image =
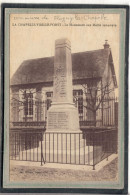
column 49, row 96
column 28, row 103
column 78, row 99
column 80, row 105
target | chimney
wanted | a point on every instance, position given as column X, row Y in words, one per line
column 106, row 45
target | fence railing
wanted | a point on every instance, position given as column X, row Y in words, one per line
column 87, row 148
column 30, row 124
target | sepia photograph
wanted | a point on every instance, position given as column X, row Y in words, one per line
column 64, row 109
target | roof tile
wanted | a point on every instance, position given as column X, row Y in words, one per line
column 84, row 65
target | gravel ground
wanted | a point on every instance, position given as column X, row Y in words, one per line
column 41, row 174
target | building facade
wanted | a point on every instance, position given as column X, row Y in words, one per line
column 94, row 83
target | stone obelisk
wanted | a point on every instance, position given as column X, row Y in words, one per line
column 62, row 116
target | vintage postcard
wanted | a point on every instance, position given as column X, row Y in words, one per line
column 64, row 98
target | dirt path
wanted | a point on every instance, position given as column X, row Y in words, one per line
column 41, row 174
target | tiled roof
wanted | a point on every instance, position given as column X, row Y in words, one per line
column 84, row 64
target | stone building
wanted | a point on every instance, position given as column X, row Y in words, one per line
column 94, row 79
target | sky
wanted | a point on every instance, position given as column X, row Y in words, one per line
column 31, row 37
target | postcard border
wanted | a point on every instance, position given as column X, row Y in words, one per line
column 81, row 190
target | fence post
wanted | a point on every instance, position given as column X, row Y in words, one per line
column 116, row 111
column 93, row 150
column 116, row 137
column 41, row 150
column 15, row 145
column 19, row 145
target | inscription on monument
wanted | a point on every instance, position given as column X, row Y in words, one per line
column 60, row 81
column 58, row 120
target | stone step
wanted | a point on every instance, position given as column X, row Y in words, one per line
column 70, row 156
column 83, row 155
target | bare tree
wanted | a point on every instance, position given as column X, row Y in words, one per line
column 97, row 93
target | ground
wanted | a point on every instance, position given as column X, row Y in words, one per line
column 38, row 174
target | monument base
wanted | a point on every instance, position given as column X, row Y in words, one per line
column 62, row 117
column 65, row 148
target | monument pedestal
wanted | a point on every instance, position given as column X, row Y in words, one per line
column 63, row 117
column 68, row 147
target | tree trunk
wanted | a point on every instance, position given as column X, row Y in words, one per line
column 94, row 117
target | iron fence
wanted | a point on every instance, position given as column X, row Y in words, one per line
column 87, row 148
